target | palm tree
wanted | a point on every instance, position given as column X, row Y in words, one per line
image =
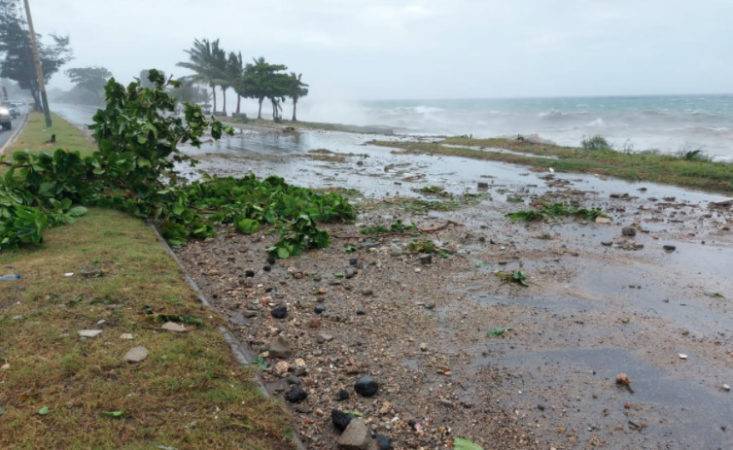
column 205, row 60
column 235, row 68
column 296, row 90
column 262, row 80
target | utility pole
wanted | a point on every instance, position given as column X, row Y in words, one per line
column 39, row 68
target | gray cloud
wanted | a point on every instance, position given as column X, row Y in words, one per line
column 422, row 48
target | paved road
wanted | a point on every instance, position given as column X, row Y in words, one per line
column 7, row 134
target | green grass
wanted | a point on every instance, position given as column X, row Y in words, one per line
column 188, row 393
column 35, row 136
column 288, row 125
column 556, row 210
column 642, row 166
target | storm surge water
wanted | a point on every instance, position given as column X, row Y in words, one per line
column 669, row 124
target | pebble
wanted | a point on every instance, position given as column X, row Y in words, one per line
column 682, row 356
column 174, row 327
column 89, row 333
column 296, row 394
column 426, row 259
column 355, row 436
column 126, row 336
column 279, row 312
column 669, row 248
column 383, row 442
column 366, row 386
column 281, row 368
column 350, row 273
column 367, row 292
column 423, row 347
column 340, row 419
column 136, row 354
column 324, row 337
column 279, row 348
column 342, row 395
column 628, row 231
column 726, row 387
column 319, row 309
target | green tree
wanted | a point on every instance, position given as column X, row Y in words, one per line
column 89, row 82
column 17, row 59
column 209, row 63
column 189, row 92
column 296, row 90
column 264, row 80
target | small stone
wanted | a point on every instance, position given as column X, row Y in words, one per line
column 324, row 337
column 726, row 387
column 281, row 368
column 279, row 348
column 628, row 231
column 669, row 248
column 340, row 419
column 426, row 259
column 603, row 220
column 296, row 394
column 350, row 273
column 360, row 312
column 249, row 273
column 89, row 333
column 383, row 442
column 682, row 356
column 423, row 347
column 482, row 185
column 367, row 292
column 342, row 395
column 354, row 262
column 366, row 386
column 607, row 243
column 126, row 336
column 319, row 309
column 314, row 323
column 174, row 327
column 355, row 436
column 136, row 354
column 279, row 312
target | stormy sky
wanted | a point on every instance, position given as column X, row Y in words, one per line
column 377, row 49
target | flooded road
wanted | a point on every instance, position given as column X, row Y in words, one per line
column 530, row 367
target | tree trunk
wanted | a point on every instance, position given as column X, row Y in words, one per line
column 239, row 103
column 295, row 107
column 224, row 100
column 259, row 111
column 213, row 94
column 36, row 100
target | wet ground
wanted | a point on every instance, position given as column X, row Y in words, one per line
column 460, row 352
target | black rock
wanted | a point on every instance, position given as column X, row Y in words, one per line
column 342, row 395
column 319, row 309
column 366, row 386
column 360, row 312
column 354, row 262
column 279, row 312
column 383, row 442
column 340, row 419
column 296, row 394
column 249, row 273
column 271, row 260
column 267, row 268
column 426, row 259
column 669, row 248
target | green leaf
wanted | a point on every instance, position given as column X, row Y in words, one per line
column 283, row 253
column 77, row 211
column 247, row 226
column 460, row 443
column 114, row 414
column 43, row 411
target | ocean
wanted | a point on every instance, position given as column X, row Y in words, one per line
column 669, row 124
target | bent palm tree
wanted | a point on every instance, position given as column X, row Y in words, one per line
column 296, row 90
column 205, row 60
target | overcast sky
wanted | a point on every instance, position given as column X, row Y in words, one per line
column 376, row 49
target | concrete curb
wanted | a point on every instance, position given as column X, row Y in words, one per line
column 241, row 352
column 15, row 135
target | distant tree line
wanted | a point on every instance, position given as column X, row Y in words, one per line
column 259, row 79
column 16, row 58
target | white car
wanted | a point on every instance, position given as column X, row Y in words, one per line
column 6, row 118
